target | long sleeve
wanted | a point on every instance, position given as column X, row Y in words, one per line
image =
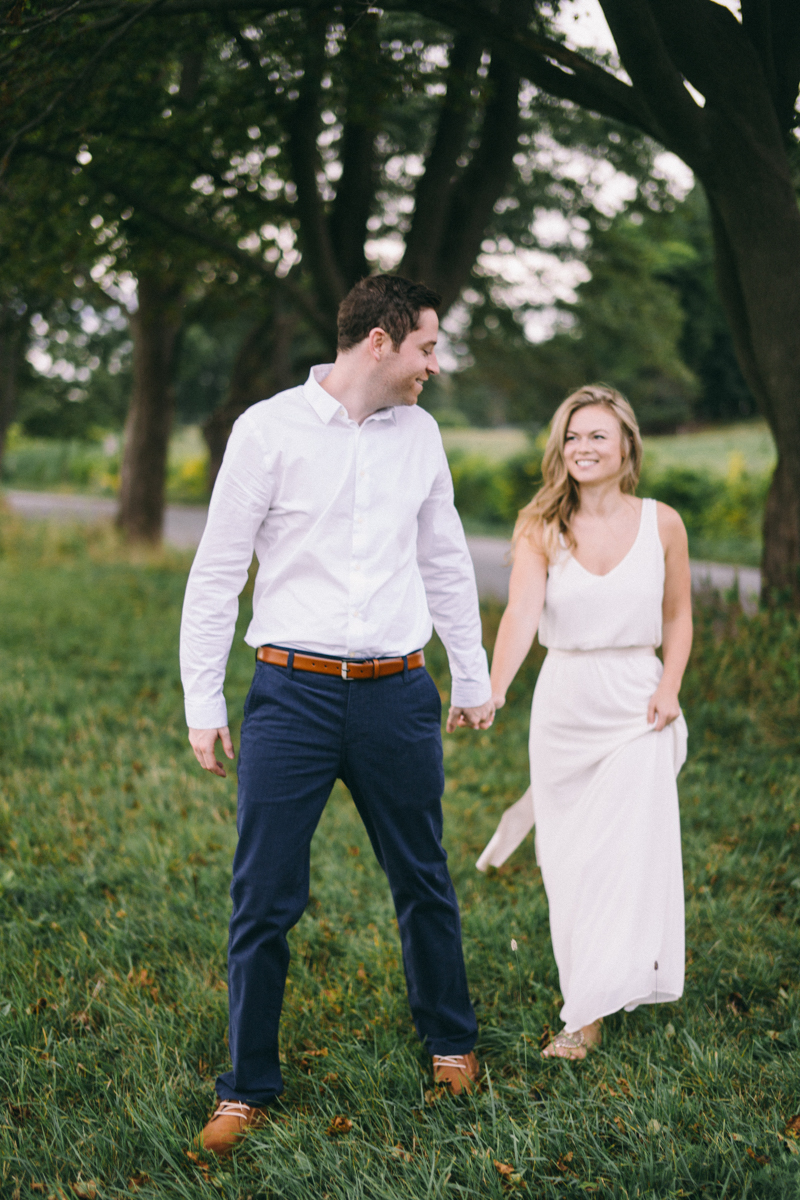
column 239, row 504
column 449, row 577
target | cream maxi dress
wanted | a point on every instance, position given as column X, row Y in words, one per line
column 603, row 792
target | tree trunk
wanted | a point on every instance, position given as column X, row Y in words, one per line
column 756, row 224
column 263, row 367
column 154, row 327
column 10, row 346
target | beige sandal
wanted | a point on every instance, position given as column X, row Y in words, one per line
column 565, row 1045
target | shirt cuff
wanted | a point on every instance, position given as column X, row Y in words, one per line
column 206, row 714
column 469, row 694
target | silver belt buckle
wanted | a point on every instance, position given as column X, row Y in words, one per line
column 344, row 671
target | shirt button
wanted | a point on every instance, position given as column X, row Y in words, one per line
column 356, row 567
column 362, row 474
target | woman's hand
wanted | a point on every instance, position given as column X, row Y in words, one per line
column 498, row 700
column 664, row 707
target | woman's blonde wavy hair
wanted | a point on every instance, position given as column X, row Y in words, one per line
column 549, row 515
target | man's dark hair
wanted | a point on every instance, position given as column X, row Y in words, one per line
column 386, row 302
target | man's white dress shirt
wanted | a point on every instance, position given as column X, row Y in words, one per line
column 359, row 545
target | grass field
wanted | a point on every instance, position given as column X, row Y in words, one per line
column 701, row 450
column 114, row 863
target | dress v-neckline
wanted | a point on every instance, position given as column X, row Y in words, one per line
column 626, row 556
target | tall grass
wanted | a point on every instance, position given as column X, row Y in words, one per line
column 114, row 862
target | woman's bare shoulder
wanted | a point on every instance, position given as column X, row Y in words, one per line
column 671, row 528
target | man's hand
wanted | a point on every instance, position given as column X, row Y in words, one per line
column 475, row 718
column 203, row 742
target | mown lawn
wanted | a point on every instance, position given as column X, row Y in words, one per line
column 114, row 862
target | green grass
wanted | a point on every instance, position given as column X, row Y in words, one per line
column 114, row 863
column 748, row 443
column 492, row 445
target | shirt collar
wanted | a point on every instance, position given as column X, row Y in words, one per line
column 326, row 406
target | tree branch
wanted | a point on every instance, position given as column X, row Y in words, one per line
column 303, row 127
column 774, row 28
column 651, row 68
column 435, row 187
column 193, row 233
column 355, row 190
column 547, row 64
column 482, row 183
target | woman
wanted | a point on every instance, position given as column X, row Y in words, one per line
column 604, row 576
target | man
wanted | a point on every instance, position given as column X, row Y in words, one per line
column 343, row 489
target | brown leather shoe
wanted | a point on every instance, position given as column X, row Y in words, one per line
column 230, row 1120
column 458, row 1071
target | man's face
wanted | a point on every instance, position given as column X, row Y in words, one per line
column 407, row 369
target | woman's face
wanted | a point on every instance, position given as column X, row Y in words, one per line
column 593, row 448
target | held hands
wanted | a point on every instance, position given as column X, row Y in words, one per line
column 663, row 708
column 203, row 742
column 474, row 718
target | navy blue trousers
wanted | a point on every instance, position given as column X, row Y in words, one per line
column 382, row 737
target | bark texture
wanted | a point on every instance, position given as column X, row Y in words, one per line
column 154, row 327
column 11, row 342
column 263, row 367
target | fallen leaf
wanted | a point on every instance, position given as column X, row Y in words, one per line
column 331, row 1077
column 505, row 1168
column 737, row 1004
column 773, row 1035
column 653, row 1126
column 361, row 973
column 564, row 1161
column 792, row 1128
column 618, row 1121
column 339, row 1125
column 317, row 1053
column 399, row 1152
column 761, row 1159
column 86, row 1189
column 624, row 1086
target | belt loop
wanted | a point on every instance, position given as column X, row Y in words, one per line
column 290, row 664
column 405, row 668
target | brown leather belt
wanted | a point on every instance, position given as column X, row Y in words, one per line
column 372, row 668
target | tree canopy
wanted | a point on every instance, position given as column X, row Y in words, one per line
column 303, row 145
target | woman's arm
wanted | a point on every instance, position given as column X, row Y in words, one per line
column 677, row 618
column 520, row 621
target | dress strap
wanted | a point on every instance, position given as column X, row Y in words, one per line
column 650, row 524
